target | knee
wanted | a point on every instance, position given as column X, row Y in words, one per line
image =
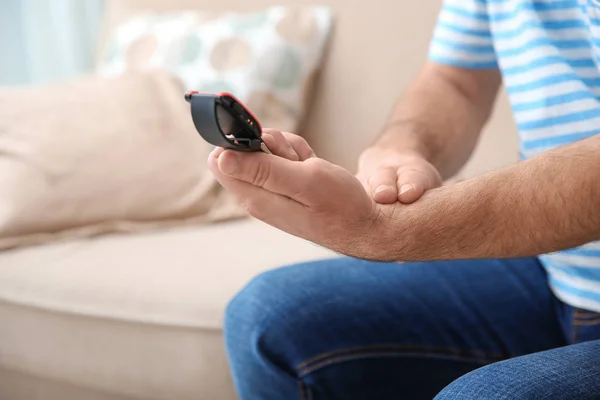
column 263, row 316
column 255, row 304
column 495, row 381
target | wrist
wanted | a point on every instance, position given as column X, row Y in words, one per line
column 451, row 222
column 423, row 231
column 392, row 236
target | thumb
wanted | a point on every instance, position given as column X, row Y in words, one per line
column 275, row 174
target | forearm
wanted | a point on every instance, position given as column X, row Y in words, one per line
column 548, row 203
column 441, row 116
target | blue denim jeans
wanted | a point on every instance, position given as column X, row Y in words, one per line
column 347, row 329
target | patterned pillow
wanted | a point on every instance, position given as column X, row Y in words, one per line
column 267, row 59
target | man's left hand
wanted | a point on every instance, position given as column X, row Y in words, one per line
column 303, row 195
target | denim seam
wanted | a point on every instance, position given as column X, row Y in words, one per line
column 586, row 319
column 582, row 318
column 301, row 389
column 580, row 314
column 361, row 354
column 450, row 350
column 586, row 323
column 574, row 328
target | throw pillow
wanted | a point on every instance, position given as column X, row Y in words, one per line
column 267, row 59
column 99, row 155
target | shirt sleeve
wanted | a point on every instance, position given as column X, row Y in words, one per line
column 462, row 36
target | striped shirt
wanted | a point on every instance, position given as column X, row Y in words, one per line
column 549, row 54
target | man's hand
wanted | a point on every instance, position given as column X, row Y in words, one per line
column 430, row 134
column 545, row 204
column 390, row 176
column 301, row 194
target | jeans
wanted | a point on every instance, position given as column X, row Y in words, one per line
column 346, row 329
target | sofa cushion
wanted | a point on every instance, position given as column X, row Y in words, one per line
column 135, row 315
column 98, row 155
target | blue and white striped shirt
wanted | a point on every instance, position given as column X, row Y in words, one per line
column 549, row 54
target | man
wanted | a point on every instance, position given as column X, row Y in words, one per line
column 510, row 313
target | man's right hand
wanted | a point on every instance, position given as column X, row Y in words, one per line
column 391, row 176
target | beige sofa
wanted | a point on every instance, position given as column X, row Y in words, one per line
column 139, row 317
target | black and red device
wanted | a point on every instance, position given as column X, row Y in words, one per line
column 222, row 120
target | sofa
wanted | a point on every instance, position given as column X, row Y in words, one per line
column 139, row 316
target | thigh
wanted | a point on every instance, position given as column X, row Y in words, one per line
column 567, row 373
column 347, row 326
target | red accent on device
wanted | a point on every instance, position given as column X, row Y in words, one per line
column 227, row 94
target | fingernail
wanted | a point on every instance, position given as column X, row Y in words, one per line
column 229, row 165
column 406, row 187
column 381, row 188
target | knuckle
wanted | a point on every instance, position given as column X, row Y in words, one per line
column 383, row 175
column 290, row 149
column 260, row 175
column 385, row 169
column 313, row 173
column 277, row 135
column 299, row 144
column 411, row 172
column 270, row 130
column 297, row 140
column 415, row 176
column 316, row 170
column 293, row 154
column 315, row 166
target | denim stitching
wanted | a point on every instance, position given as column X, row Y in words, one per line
column 590, row 318
column 581, row 318
column 587, row 323
column 355, row 355
column 396, row 346
column 581, row 314
column 574, row 328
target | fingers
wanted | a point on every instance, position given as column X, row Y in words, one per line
column 275, row 174
column 412, row 183
column 280, row 175
column 301, row 146
column 287, row 145
column 382, row 185
column 279, row 145
column 388, row 185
